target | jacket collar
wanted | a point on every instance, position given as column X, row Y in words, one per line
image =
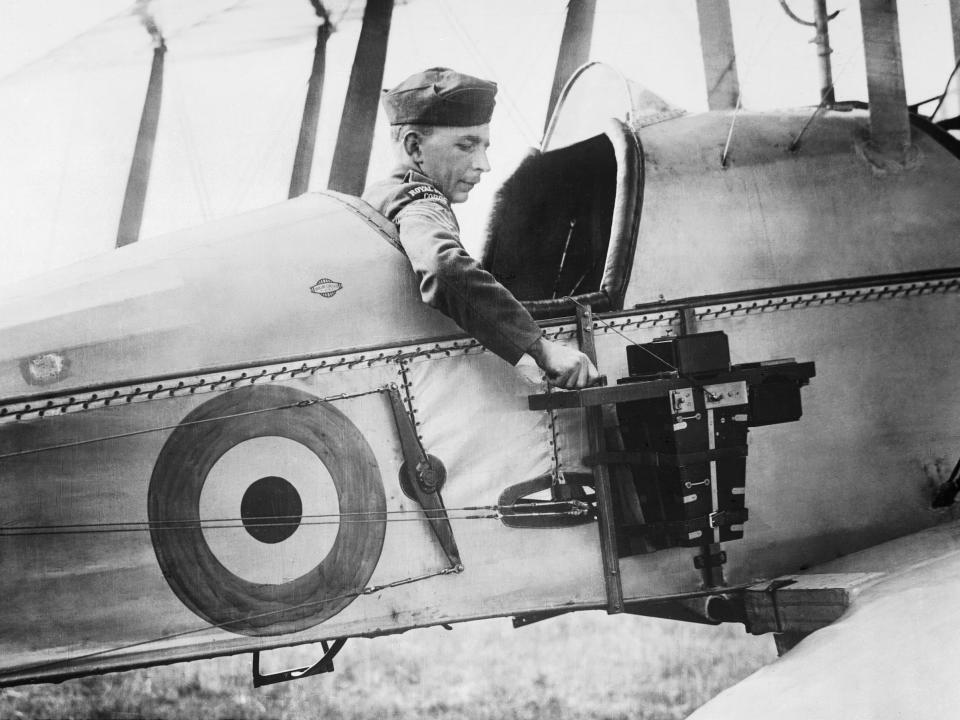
column 406, row 174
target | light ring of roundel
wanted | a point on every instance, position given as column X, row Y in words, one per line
column 192, row 569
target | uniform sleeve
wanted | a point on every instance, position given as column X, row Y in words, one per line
column 454, row 283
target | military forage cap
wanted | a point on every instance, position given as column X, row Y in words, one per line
column 440, row 96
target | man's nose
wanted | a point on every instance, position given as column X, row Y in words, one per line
column 480, row 161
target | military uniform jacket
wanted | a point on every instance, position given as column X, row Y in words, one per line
column 450, row 279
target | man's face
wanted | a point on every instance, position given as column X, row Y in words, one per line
column 454, row 158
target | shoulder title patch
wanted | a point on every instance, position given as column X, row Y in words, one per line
column 423, row 191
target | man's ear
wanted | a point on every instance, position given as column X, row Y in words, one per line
column 411, row 146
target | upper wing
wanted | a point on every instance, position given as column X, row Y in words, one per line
column 893, row 654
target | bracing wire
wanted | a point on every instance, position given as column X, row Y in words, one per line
column 370, row 590
column 256, row 162
column 343, row 14
column 496, row 513
column 946, row 89
column 652, row 354
column 90, row 31
column 534, row 52
column 161, row 428
column 480, row 512
column 724, row 156
column 192, row 152
column 633, row 342
column 795, row 143
column 747, row 64
column 520, row 122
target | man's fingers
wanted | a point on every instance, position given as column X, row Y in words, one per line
column 562, row 378
column 583, row 374
column 593, row 375
column 566, row 367
column 590, row 375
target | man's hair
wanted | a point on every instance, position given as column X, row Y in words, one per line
column 399, row 132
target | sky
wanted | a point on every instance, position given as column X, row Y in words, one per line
column 73, row 77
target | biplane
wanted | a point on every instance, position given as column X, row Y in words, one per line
column 253, row 434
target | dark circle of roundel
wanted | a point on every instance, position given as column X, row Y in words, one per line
column 271, row 509
column 193, row 571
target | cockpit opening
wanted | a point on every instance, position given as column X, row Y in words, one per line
column 564, row 225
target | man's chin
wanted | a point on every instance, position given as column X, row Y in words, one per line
column 462, row 192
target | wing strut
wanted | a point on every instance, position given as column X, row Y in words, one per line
column 348, row 173
column 574, row 48
column 889, row 118
column 303, row 160
column 955, row 21
column 136, row 195
column 719, row 54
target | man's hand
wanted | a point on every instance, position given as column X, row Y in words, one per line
column 564, row 366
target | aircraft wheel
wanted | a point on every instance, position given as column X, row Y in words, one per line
column 245, row 511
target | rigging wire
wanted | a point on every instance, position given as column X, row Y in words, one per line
column 102, row 26
column 747, row 66
column 795, row 143
column 534, row 53
column 288, row 519
column 343, row 14
column 370, row 590
column 710, row 396
column 53, row 52
column 217, row 524
column 946, row 90
column 733, row 121
column 183, row 119
column 519, row 121
column 205, row 19
column 132, row 433
column 192, row 152
column 256, row 163
column 617, row 331
column 194, row 522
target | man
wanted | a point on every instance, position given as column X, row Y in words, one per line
column 440, row 128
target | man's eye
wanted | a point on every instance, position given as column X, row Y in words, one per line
column 466, row 147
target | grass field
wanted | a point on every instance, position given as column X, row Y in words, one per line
column 581, row 666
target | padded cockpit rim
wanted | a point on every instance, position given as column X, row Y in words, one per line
column 625, row 223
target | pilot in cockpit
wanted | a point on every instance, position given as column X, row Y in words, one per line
column 439, row 122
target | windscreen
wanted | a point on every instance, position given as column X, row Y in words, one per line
column 596, row 93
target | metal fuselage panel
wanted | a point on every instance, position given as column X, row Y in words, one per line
column 773, row 217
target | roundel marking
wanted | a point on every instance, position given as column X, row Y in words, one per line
column 218, row 463
column 266, row 500
column 235, row 476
